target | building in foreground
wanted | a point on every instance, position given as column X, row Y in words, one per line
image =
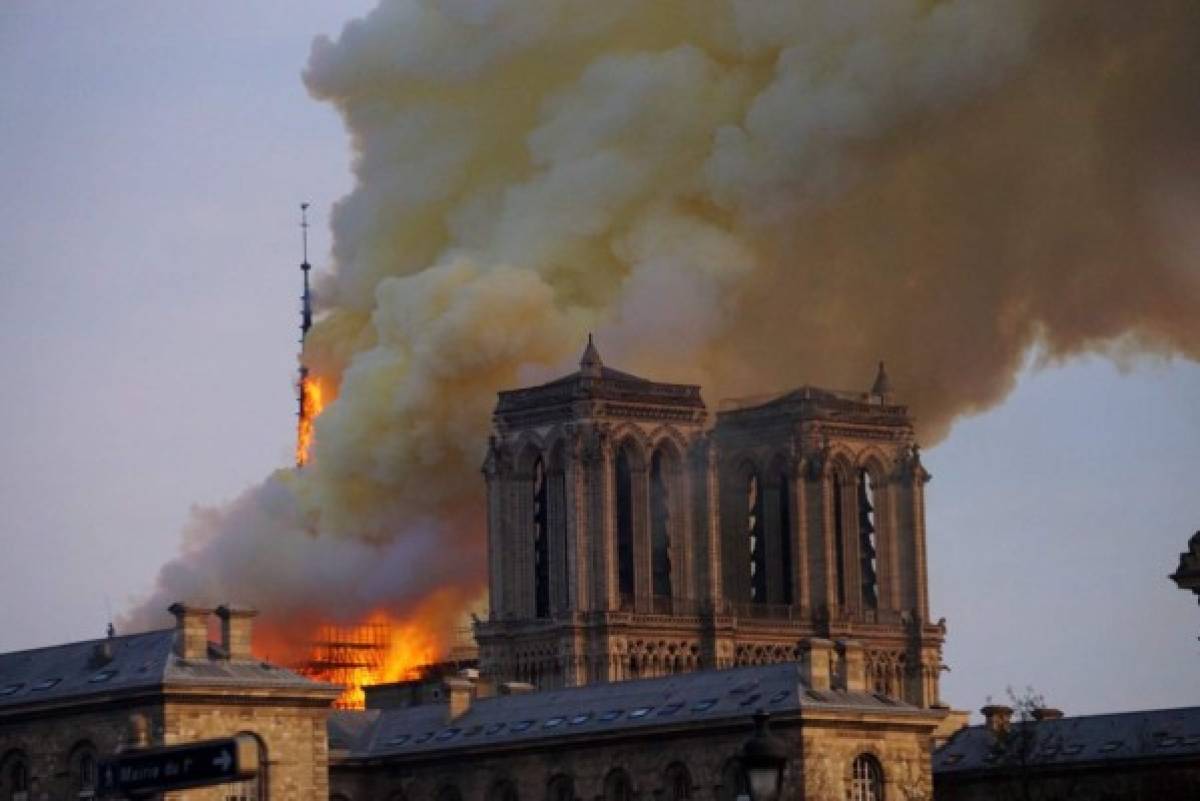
column 1149, row 755
column 669, row 738
column 65, row 708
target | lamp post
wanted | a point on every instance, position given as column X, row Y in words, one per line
column 763, row 757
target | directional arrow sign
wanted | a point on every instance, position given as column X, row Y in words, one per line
column 178, row 766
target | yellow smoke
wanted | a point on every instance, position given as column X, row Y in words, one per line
column 749, row 194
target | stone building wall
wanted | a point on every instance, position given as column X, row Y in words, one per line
column 823, row 752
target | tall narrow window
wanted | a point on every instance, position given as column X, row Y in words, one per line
column 839, row 539
column 785, row 537
column 866, row 532
column 660, row 529
column 541, row 543
column 86, row 775
column 754, row 531
column 557, row 525
column 866, row 782
column 624, row 525
column 19, row 781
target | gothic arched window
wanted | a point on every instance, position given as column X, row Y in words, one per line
column 624, row 524
column 754, row 534
column 678, row 782
column 866, row 533
column 541, row 543
column 787, row 592
column 617, row 786
column 839, row 535
column 734, row 782
column 18, row 779
column 560, row 788
column 82, row 766
column 866, row 779
column 660, row 527
column 503, row 790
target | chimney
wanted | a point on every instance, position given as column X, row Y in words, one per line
column 854, row 666
column 1047, row 713
column 816, row 665
column 459, row 693
column 996, row 718
column 237, row 629
column 191, row 631
column 516, row 688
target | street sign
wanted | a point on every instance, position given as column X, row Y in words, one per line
column 175, row 767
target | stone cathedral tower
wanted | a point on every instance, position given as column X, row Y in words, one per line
column 629, row 535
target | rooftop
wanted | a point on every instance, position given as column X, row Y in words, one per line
column 1145, row 734
column 126, row 663
column 703, row 697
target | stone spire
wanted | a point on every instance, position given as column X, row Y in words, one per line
column 590, row 365
column 882, row 386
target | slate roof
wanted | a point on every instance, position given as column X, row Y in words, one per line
column 138, row 661
column 1074, row 741
column 699, row 698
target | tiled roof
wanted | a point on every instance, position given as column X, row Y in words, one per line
column 1148, row 734
column 700, row 698
column 134, row 661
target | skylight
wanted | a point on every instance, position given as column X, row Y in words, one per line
column 611, row 715
column 779, row 696
column 582, row 717
column 641, row 712
column 448, row 734
column 495, row 728
column 45, row 684
column 520, row 725
column 10, row 689
column 750, row 699
column 399, row 739
column 552, row 722
column 424, row 738
column 102, row 676
column 671, row 708
column 471, row 732
column 705, row 705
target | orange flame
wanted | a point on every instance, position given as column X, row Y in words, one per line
column 379, row 650
column 312, row 402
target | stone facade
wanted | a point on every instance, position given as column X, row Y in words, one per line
column 666, row 739
column 77, row 704
column 628, row 537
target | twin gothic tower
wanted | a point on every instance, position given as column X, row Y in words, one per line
column 629, row 538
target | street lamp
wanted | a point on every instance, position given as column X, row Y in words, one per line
column 763, row 757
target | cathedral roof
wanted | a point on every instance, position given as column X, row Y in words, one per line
column 699, row 699
column 127, row 663
column 596, row 381
column 1076, row 741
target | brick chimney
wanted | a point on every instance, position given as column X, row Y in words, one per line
column 818, row 654
column 997, row 717
column 237, row 629
column 459, row 694
column 1047, row 713
column 191, row 630
column 854, row 666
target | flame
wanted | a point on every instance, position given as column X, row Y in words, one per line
column 379, row 650
column 312, row 402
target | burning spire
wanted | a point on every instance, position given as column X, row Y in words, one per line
column 308, row 390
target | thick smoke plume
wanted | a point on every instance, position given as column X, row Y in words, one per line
column 749, row 194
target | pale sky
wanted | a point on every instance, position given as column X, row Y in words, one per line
column 153, row 157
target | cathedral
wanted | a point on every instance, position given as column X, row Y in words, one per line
column 631, row 535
